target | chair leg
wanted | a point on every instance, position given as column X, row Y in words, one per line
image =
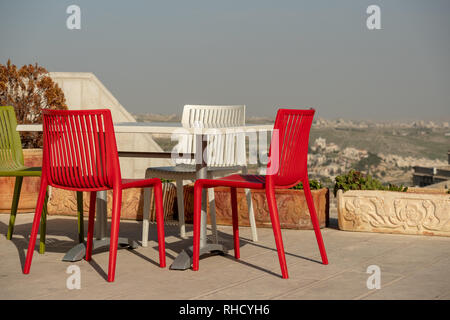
column 198, row 188
column 90, row 234
column 273, row 210
column 159, row 208
column 35, row 227
column 251, row 212
column 80, row 216
column 14, row 206
column 180, row 205
column 251, row 215
column 235, row 218
column 146, row 213
column 115, row 221
column 212, row 213
column 43, row 225
column 315, row 221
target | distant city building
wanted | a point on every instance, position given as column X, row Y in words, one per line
column 424, row 176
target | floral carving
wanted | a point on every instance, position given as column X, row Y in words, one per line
column 395, row 212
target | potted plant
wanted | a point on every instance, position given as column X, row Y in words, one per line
column 28, row 89
column 365, row 204
column 292, row 207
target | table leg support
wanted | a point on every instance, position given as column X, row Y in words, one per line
column 78, row 252
column 184, row 259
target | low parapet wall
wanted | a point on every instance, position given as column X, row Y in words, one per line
column 83, row 90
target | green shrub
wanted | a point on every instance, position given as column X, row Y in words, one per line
column 355, row 180
column 313, row 184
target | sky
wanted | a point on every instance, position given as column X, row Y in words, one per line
column 156, row 56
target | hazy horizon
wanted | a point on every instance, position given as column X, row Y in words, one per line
column 157, row 56
column 440, row 120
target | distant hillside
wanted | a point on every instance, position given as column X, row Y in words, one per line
column 413, row 142
column 388, row 149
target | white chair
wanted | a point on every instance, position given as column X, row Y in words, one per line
column 226, row 155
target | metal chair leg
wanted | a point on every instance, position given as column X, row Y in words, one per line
column 80, row 217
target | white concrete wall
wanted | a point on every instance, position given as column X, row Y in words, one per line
column 83, row 90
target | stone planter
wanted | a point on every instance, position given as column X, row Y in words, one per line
column 292, row 207
column 64, row 202
column 394, row 212
column 30, row 185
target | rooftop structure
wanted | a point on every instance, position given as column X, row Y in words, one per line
column 425, row 176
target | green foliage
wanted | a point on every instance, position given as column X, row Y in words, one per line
column 355, row 180
column 313, row 184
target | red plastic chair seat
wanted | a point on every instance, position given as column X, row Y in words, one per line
column 138, row 183
column 236, row 180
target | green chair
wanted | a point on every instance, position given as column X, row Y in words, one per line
column 12, row 165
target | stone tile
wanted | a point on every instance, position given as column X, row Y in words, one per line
column 412, row 266
column 356, row 253
column 346, row 285
column 315, row 271
column 188, row 284
column 429, row 282
column 405, row 260
column 265, row 287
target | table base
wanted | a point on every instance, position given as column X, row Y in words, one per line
column 78, row 252
column 184, row 259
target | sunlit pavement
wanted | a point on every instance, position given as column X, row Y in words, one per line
column 410, row 267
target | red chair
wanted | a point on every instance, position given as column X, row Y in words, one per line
column 80, row 153
column 286, row 168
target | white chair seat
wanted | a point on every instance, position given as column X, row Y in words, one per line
column 184, row 169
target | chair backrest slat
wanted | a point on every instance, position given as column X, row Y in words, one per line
column 291, row 141
column 11, row 154
column 223, row 149
column 80, row 149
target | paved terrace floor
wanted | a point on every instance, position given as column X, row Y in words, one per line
column 412, row 267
